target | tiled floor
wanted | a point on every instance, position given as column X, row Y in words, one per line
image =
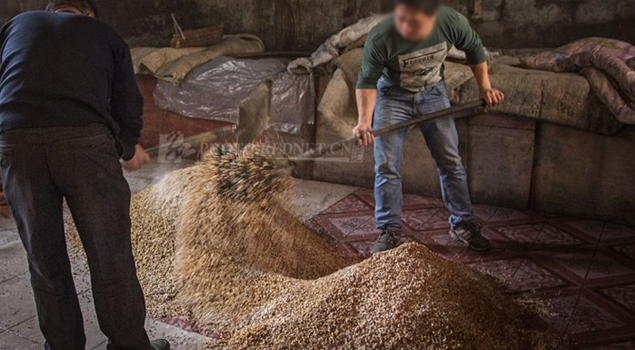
column 583, row 270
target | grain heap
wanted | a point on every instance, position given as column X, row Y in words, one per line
column 247, row 268
column 408, row 298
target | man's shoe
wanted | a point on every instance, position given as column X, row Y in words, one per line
column 470, row 233
column 387, row 240
column 160, row 344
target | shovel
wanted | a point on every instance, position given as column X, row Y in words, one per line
column 253, row 119
column 457, row 111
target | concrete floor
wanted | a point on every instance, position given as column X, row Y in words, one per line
column 18, row 321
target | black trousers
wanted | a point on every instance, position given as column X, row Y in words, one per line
column 41, row 168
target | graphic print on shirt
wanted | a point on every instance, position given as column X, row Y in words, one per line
column 422, row 68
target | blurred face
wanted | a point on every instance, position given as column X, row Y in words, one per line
column 413, row 24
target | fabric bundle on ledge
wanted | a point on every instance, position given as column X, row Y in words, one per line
column 560, row 98
column 608, row 65
column 173, row 65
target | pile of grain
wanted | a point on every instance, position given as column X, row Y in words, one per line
column 408, row 298
column 246, row 267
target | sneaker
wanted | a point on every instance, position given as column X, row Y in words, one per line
column 160, row 344
column 387, row 240
column 469, row 233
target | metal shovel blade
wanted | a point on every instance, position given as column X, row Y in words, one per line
column 254, row 114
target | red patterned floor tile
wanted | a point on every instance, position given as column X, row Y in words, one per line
column 623, row 295
column 605, row 232
column 559, row 311
column 485, row 212
column 550, row 236
column 441, row 242
column 522, row 235
column 362, row 248
column 597, row 268
column 493, row 215
column 340, row 225
column 349, row 204
column 605, row 266
column 627, row 250
column 589, row 317
column 521, row 275
column 571, row 264
column 596, row 321
column 504, row 269
column 532, row 277
column 427, row 219
column 537, row 236
column 585, row 319
column 365, row 232
column 367, row 195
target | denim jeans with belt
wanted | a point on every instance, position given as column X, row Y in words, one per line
column 395, row 105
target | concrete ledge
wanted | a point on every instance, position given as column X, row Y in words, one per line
column 584, row 174
column 518, row 163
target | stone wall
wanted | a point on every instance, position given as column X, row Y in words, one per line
column 304, row 24
column 549, row 23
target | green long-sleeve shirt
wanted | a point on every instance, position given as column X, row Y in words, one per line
column 417, row 65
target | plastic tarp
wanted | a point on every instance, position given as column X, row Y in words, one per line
column 215, row 90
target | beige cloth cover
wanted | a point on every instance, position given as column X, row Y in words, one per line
column 564, row 99
column 174, row 64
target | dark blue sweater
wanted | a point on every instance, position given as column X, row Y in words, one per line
column 61, row 69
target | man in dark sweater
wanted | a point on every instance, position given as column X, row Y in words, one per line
column 70, row 109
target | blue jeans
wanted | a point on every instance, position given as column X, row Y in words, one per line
column 395, row 105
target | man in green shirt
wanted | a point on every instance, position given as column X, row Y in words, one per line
column 402, row 77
